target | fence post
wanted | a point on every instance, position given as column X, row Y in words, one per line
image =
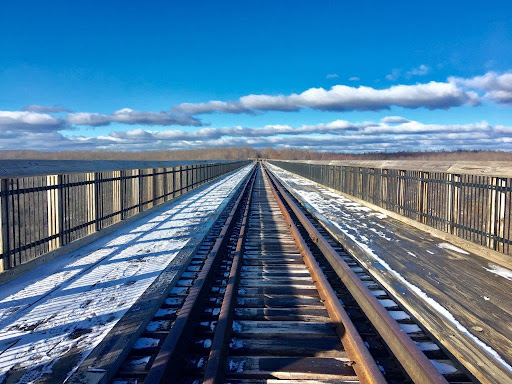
column 97, row 201
column 165, row 186
column 452, row 208
column 174, row 183
column 401, row 191
column 91, row 202
column 456, row 204
column 500, row 216
column 423, row 197
column 141, row 189
column 181, row 179
column 116, row 191
column 496, row 212
column 53, row 212
column 122, row 194
column 155, row 185
column 384, row 188
column 4, row 223
column 62, row 208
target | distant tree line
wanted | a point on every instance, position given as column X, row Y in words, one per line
column 231, row 153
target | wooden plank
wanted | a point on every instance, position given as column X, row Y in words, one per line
column 276, row 274
column 290, row 282
column 53, row 211
column 91, row 202
column 283, row 314
column 318, row 368
column 278, row 292
column 278, row 302
column 288, row 381
column 279, row 329
column 320, row 347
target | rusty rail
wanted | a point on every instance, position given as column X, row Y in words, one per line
column 165, row 363
column 364, row 365
column 413, row 360
column 214, row 371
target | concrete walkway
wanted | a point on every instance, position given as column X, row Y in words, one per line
column 464, row 300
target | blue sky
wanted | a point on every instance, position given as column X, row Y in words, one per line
column 101, row 57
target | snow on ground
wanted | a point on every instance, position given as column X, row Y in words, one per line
column 500, row 271
column 347, row 216
column 71, row 303
column 452, row 247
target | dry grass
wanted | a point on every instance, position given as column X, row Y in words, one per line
column 230, row 153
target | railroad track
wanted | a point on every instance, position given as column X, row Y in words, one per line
column 271, row 297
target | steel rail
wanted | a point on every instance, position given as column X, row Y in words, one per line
column 364, row 364
column 416, row 364
column 214, row 372
column 166, row 362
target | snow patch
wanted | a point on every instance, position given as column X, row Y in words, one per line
column 500, row 271
column 452, row 247
column 427, row 346
column 399, row 315
column 236, row 366
column 443, row 368
column 146, row 342
column 142, row 361
column 433, row 304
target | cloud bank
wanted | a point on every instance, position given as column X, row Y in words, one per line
column 44, row 109
column 25, row 121
column 36, row 128
column 432, row 95
column 498, row 87
column 28, row 130
column 131, row 117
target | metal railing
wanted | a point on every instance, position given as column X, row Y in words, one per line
column 471, row 206
column 42, row 213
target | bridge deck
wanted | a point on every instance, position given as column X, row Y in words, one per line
column 62, row 310
column 462, row 298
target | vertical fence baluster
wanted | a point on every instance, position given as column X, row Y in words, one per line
column 4, row 217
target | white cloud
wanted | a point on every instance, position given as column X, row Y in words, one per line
column 24, row 121
column 422, row 70
column 432, row 95
column 44, row 109
column 129, row 116
column 394, row 120
column 394, row 75
column 391, row 133
column 498, row 87
column 490, row 81
column 501, row 97
column 354, row 78
column 332, row 76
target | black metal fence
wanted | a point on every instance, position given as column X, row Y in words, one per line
column 473, row 207
column 42, row 213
